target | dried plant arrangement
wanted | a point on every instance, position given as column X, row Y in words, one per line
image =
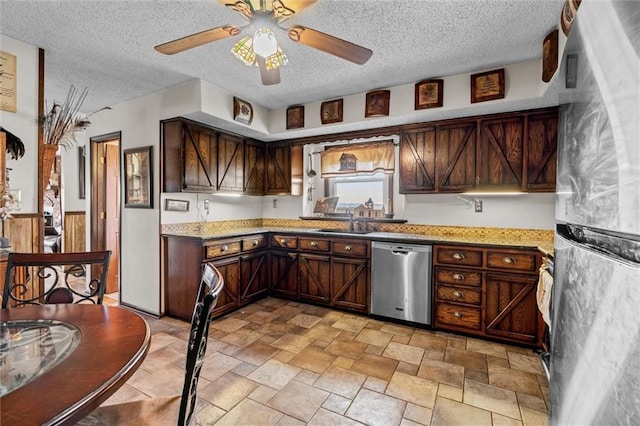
column 64, row 121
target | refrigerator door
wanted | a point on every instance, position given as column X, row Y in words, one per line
column 595, row 338
column 598, row 182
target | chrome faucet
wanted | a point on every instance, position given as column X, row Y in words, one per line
column 350, row 213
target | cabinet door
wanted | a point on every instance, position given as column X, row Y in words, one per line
column 278, row 170
column 283, row 277
column 199, row 171
column 230, row 295
column 253, row 276
column 456, row 157
column 542, row 142
column 417, row 160
column 230, row 163
column 511, row 310
column 350, row 283
column 172, row 142
column 314, row 277
column 254, row 168
column 499, row 161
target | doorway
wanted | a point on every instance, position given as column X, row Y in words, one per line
column 105, row 203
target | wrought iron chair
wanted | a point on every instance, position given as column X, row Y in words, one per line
column 43, row 278
column 172, row 410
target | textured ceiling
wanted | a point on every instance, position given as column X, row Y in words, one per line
column 107, row 45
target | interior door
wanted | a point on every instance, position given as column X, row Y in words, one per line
column 105, row 202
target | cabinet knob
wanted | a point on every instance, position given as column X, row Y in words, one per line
column 457, row 314
column 283, row 241
column 224, row 248
column 458, row 277
column 313, row 244
column 458, row 256
column 347, row 248
column 509, row 260
column 457, row 294
column 255, row 243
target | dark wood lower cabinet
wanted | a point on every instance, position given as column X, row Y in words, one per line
column 489, row 292
column 511, row 309
column 283, row 273
column 229, row 298
column 314, row 278
column 253, row 277
column 350, row 283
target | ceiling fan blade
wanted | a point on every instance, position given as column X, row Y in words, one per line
column 269, row 77
column 329, row 44
column 240, row 6
column 197, row 39
column 285, row 9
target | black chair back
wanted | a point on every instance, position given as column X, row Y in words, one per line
column 211, row 285
column 43, row 278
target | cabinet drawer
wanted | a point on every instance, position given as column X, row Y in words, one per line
column 219, row 249
column 254, row 242
column 458, row 316
column 351, row 248
column 458, row 256
column 284, row 241
column 458, row 277
column 459, row 294
column 512, row 261
column 314, row 244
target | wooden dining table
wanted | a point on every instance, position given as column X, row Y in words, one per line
column 89, row 351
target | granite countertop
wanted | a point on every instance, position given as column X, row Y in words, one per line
column 546, row 247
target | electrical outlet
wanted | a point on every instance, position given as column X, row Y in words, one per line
column 275, row 203
column 206, row 206
column 477, row 205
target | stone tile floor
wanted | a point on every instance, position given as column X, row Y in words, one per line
column 277, row 362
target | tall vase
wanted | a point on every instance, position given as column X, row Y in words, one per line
column 48, row 158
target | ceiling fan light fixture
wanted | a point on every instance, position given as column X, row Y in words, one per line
column 265, row 43
column 276, row 60
column 244, row 50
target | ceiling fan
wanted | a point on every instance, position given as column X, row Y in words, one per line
column 261, row 49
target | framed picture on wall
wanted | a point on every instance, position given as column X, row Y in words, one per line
column 429, row 94
column 331, row 111
column 138, row 182
column 242, row 111
column 295, row 117
column 487, row 86
column 377, row 103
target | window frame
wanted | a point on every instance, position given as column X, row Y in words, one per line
column 387, row 187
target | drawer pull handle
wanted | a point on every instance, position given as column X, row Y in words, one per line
column 509, row 260
column 283, row 241
column 457, row 314
column 313, row 244
column 458, row 277
column 457, row 294
column 458, row 256
column 255, row 243
column 347, row 248
column 224, row 248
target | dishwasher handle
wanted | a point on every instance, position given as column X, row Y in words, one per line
column 400, row 252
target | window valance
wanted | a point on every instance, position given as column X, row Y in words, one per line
column 357, row 159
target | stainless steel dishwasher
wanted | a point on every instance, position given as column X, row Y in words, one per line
column 401, row 281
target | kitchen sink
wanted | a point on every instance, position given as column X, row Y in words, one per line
column 343, row 231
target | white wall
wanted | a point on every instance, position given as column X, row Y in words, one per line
column 138, row 120
column 24, row 122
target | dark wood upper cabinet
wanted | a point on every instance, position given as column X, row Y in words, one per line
column 542, row 155
column 499, row 159
column 509, row 151
column 417, row 160
column 254, row 161
column 230, row 166
column 283, row 169
column 456, row 157
column 200, row 147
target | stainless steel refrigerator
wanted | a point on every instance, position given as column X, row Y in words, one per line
column 595, row 307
